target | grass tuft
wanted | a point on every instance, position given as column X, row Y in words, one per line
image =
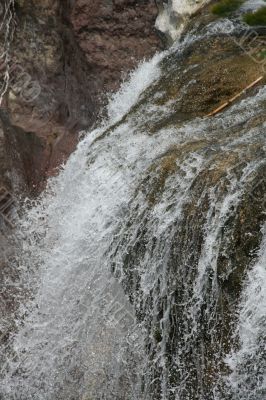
column 226, row 7
column 256, row 18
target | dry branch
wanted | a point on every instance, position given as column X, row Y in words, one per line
column 224, row 105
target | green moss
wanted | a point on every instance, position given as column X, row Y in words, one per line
column 226, row 7
column 256, row 18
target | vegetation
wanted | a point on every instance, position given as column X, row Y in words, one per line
column 226, row 7
column 256, row 18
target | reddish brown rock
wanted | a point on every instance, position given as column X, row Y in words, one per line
column 64, row 56
column 115, row 35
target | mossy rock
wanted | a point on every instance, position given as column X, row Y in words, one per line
column 204, row 76
column 194, row 82
column 257, row 18
column 226, row 7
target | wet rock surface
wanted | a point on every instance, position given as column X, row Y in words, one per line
column 64, row 57
column 194, row 82
column 192, row 230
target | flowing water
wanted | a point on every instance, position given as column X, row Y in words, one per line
column 7, row 31
column 133, row 261
column 249, row 362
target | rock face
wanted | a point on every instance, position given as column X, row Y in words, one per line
column 114, row 35
column 64, row 54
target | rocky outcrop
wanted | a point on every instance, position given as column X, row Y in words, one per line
column 50, row 97
column 64, row 55
column 194, row 81
column 114, row 35
column 173, row 16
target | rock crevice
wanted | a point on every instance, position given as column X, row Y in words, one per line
column 64, row 57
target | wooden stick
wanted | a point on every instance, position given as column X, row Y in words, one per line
column 224, row 105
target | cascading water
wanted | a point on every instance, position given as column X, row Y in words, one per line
column 133, row 260
column 249, row 362
column 7, row 29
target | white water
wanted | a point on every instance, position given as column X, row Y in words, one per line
column 252, row 5
column 6, row 26
column 67, row 236
column 173, row 16
column 78, row 338
column 251, row 331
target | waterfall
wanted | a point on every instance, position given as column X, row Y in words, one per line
column 7, row 29
column 132, row 262
column 250, row 357
column 173, row 16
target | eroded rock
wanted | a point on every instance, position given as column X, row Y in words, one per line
column 64, row 56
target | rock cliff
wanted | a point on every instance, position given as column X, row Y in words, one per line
column 63, row 56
